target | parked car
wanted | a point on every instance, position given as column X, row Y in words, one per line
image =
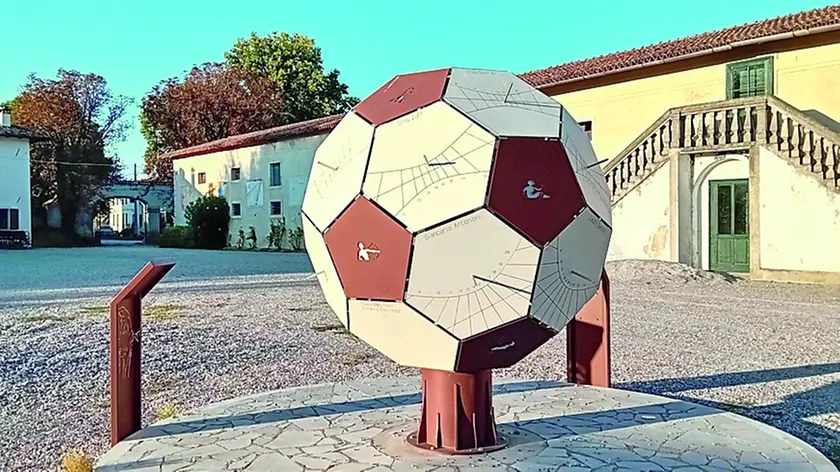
column 105, row 232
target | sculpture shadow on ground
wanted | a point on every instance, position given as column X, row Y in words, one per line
column 790, row 415
column 582, row 422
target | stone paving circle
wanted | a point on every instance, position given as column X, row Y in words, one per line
column 361, row 426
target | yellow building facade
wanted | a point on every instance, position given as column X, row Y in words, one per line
column 724, row 159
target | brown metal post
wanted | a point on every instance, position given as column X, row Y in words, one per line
column 456, row 416
column 588, row 340
column 125, row 349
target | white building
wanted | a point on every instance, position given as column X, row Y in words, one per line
column 15, row 206
column 262, row 175
column 121, row 215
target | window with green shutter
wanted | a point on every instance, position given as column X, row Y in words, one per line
column 753, row 78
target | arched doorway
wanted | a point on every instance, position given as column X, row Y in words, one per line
column 122, row 217
column 726, row 175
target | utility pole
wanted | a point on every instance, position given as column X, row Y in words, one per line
column 136, row 220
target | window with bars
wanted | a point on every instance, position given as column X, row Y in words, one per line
column 202, row 177
column 753, row 78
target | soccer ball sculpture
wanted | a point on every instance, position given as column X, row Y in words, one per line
column 457, row 219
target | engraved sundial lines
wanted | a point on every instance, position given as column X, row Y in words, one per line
column 325, row 270
column 587, row 170
column 472, row 274
column 503, row 103
column 338, row 170
column 429, row 166
column 570, row 270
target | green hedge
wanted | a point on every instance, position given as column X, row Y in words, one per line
column 176, row 236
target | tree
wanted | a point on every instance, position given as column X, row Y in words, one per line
column 80, row 118
column 212, row 102
column 294, row 63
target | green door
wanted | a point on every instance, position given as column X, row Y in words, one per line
column 729, row 232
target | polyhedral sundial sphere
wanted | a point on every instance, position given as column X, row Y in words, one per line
column 457, row 219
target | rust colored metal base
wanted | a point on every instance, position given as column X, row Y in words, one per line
column 588, row 340
column 125, row 310
column 457, row 413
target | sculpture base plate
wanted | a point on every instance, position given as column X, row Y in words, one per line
column 363, row 425
column 501, row 443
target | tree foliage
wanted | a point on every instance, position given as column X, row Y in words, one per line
column 294, row 63
column 212, row 102
column 209, row 219
column 80, row 117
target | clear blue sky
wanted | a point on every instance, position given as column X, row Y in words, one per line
column 134, row 44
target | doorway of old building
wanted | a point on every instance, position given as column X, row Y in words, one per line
column 729, row 232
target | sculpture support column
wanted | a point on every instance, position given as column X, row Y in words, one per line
column 588, row 340
column 457, row 413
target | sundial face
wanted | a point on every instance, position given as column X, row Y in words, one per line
column 472, row 274
column 429, row 166
column 570, row 270
column 337, row 170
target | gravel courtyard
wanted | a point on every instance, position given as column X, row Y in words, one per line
column 224, row 324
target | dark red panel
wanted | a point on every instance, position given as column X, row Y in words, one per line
column 402, row 95
column 534, row 188
column 502, row 346
column 370, row 252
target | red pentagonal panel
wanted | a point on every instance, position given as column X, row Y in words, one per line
column 402, row 95
column 370, row 251
column 502, row 346
column 533, row 187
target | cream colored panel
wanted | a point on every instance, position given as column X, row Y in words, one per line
column 472, row 274
column 429, row 166
column 338, row 170
column 325, row 270
column 502, row 102
column 402, row 334
column 585, row 164
column 570, row 270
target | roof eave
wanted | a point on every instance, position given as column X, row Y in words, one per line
column 706, row 52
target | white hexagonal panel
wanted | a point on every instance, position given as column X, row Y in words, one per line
column 503, row 103
column 570, row 270
column 338, row 170
column 325, row 270
column 429, row 166
column 472, row 274
column 402, row 334
column 589, row 174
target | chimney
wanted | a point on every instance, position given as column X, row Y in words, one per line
column 5, row 117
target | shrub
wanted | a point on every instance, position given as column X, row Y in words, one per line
column 176, row 236
column 252, row 236
column 76, row 462
column 296, row 238
column 49, row 237
column 209, row 219
column 276, row 233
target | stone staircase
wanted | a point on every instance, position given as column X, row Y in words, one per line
column 726, row 127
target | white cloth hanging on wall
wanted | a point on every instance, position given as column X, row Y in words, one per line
column 254, row 193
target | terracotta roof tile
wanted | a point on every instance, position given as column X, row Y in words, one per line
column 677, row 49
column 18, row 132
column 685, row 47
column 255, row 138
